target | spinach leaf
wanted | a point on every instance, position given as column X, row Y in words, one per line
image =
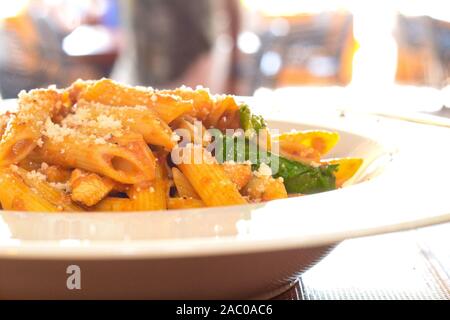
column 306, row 179
column 250, row 121
column 298, row 177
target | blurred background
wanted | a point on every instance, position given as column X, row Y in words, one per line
column 243, row 47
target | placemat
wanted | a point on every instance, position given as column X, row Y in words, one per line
column 412, row 265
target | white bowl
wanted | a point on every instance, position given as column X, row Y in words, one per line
column 228, row 252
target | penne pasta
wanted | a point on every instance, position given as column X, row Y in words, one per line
column 113, row 204
column 150, row 195
column 89, row 188
column 209, row 179
column 198, row 134
column 111, row 93
column 38, row 181
column 201, row 100
column 221, row 112
column 136, row 119
column 19, row 196
column 239, row 174
column 222, row 105
column 184, row 187
column 265, row 188
column 4, row 122
column 55, row 174
column 169, row 107
column 184, row 203
column 29, row 164
column 23, row 131
column 126, row 159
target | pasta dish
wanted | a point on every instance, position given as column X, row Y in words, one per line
column 105, row 146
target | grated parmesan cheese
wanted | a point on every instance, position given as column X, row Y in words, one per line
column 175, row 137
column 100, row 141
column 55, row 131
column 40, row 142
column 108, row 122
column 61, row 186
column 44, row 166
column 186, row 88
column 263, row 171
column 35, row 175
column 81, row 117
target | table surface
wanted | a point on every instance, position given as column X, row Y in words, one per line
column 406, row 265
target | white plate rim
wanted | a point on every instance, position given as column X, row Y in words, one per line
column 157, row 249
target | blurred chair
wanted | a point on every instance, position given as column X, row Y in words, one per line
column 31, row 54
column 423, row 51
column 316, row 50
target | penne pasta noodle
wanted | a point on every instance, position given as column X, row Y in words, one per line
column 221, row 112
column 184, row 187
column 265, row 188
column 111, row 204
column 169, row 107
column 89, row 188
column 209, row 179
column 29, row 164
column 201, row 99
column 184, row 203
column 55, row 196
column 136, row 119
column 198, row 134
column 112, row 93
column 135, row 144
column 220, row 106
column 19, row 196
column 239, row 174
column 4, row 122
column 150, row 195
column 23, row 131
column 125, row 159
column 55, row 174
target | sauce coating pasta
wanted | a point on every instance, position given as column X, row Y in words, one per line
column 105, row 146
